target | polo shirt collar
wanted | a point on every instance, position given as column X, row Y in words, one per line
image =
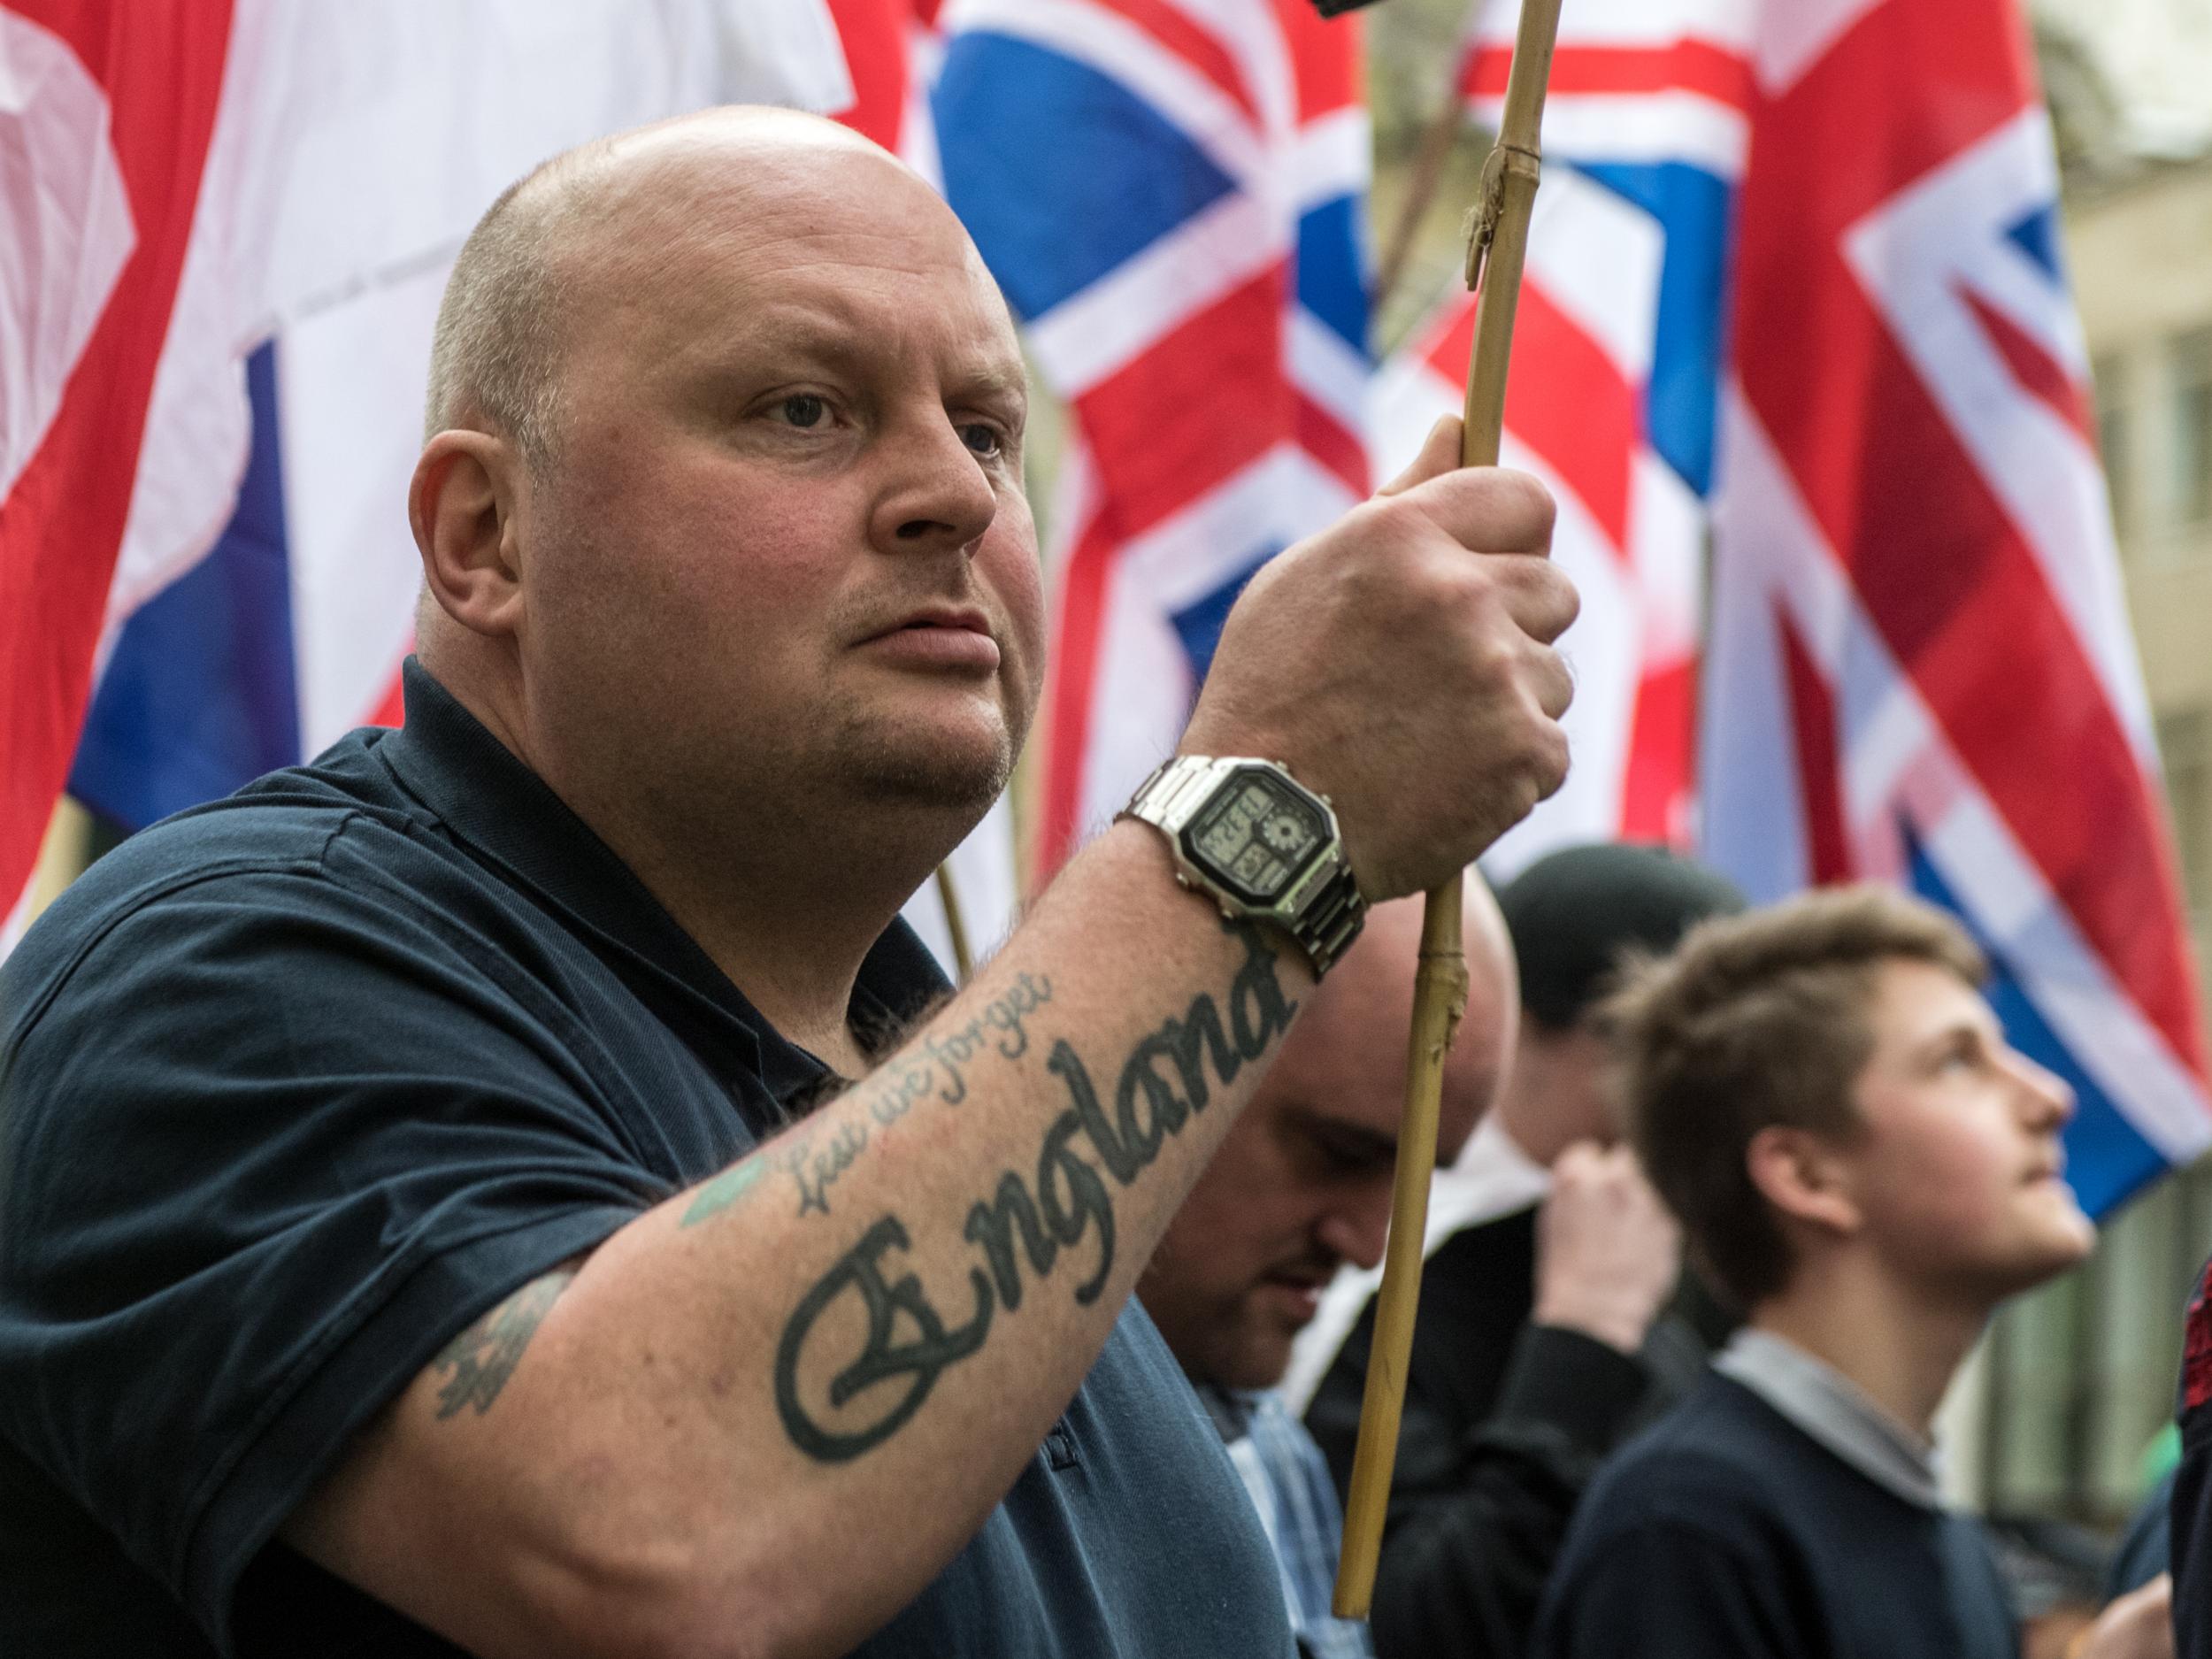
column 1834, row 1412
column 484, row 793
column 1230, row 1411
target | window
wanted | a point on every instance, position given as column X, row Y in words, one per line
column 2185, row 748
column 2115, row 442
column 2192, row 427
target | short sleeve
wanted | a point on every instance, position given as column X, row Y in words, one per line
column 265, row 1145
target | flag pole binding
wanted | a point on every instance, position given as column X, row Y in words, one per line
column 1497, row 243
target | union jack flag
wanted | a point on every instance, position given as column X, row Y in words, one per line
column 892, row 51
column 1169, row 193
column 1617, row 358
column 1920, row 666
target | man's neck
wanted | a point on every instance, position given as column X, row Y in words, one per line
column 791, row 943
column 758, row 904
column 1898, row 1347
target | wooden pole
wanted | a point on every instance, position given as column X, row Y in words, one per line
column 1494, row 267
column 956, row 926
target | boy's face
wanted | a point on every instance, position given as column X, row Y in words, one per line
column 1957, row 1175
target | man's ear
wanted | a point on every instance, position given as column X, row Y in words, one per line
column 461, row 505
column 1802, row 1176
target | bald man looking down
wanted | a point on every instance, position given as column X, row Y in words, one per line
column 1301, row 1187
column 514, row 1187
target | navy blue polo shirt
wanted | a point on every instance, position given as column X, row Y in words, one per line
column 295, row 1086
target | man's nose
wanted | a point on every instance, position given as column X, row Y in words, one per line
column 1356, row 1233
column 939, row 496
column 2047, row 1100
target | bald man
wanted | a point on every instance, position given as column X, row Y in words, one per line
column 1301, row 1187
column 514, row 1187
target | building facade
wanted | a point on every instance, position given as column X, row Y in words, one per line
column 2080, row 1379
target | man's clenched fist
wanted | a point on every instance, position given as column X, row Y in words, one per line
column 1408, row 679
column 1607, row 1250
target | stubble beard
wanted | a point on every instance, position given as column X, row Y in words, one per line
column 892, row 764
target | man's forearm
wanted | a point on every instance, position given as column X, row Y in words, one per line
column 876, row 1316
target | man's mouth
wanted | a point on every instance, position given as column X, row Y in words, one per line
column 963, row 618
column 956, row 637
column 1301, row 1288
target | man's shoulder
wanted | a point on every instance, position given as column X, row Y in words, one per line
column 270, row 850
column 1722, row 1452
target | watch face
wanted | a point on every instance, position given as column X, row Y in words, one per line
column 1256, row 836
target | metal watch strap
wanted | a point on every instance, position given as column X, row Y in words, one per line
column 1322, row 912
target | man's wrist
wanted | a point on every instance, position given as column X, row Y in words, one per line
column 1579, row 1385
column 1261, row 845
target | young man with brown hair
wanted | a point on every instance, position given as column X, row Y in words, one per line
column 1822, row 1094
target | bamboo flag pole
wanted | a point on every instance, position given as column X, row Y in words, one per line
column 1497, row 243
column 956, row 926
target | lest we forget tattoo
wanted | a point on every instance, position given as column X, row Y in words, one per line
column 935, row 1066
column 1162, row 1082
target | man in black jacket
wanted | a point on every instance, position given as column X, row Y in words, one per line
column 1539, row 1342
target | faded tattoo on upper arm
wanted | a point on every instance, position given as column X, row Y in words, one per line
column 479, row 1360
column 1027, row 1218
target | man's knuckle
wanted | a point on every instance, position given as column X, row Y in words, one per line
column 1526, row 495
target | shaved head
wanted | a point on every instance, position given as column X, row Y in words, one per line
column 722, row 502
column 1302, row 1183
column 598, row 214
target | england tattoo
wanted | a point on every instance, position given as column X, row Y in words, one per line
column 482, row 1357
column 906, row 1346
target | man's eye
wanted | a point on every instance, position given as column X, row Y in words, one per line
column 803, row 409
column 982, row 439
column 1970, row 1056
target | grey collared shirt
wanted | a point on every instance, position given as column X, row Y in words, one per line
column 1833, row 1411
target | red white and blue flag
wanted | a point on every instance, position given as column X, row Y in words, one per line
column 224, row 230
column 1793, row 287
column 1919, row 664
column 1616, row 364
column 1170, row 193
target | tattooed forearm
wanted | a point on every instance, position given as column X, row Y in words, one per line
column 821, row 1161
column 1030, row 1217
column 936, row 1066
column 712, row 1197
column 481, row 1358
column 812, row 1158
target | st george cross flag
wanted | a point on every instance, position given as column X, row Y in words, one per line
column 1169, row 193
column 224, row 229
column 1920, row 666
column 1616, row 361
